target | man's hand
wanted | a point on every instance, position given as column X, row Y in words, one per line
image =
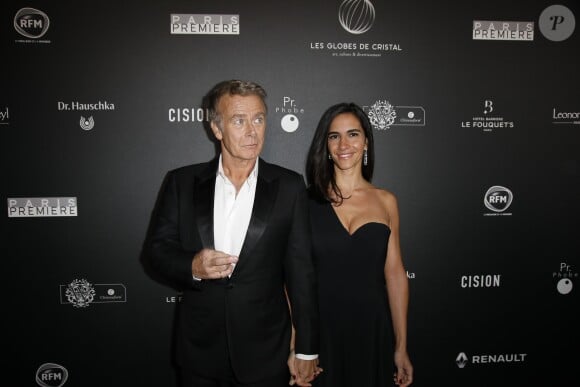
column 303, row 371
column 212, row 264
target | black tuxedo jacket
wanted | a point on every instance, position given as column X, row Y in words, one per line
column 246, row 316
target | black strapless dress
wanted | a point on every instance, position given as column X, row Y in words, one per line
column 355, row 329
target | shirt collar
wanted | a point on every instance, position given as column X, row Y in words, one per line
column 252, row 177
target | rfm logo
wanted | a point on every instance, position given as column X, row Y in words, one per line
column 51, row 375
column 31, row 23
column 498, row 198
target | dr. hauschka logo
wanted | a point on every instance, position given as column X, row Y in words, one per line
column 5, row 116
column 383, row 115
column 81, row 293
column 484, row 359
column 51, row 375
column 87, row 123
column 204, row 24
column 503, row 30
column 81, row 106
column 291, row 111
column 565, row 117
column 498, row 199
column 356, row 16
column 42, row 207
column 32, row 24
column 187, row 114
column 489, row 121
column 564, row 277
column 557, row 23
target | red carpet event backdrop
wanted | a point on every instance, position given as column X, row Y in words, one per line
column 475, row 107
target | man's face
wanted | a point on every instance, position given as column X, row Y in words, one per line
column 241, row 126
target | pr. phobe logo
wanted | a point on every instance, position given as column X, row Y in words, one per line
column 356, row 16
column 564, row 277
column 498, row 199
column 290, row 121
column 31, row 23
column 51, row 375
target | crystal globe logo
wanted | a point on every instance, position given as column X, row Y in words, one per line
column 356, row 16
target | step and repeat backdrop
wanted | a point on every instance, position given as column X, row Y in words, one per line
column 476, row 113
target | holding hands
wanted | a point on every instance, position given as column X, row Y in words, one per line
column 302, row 372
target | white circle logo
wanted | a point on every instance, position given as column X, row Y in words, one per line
column 564, row 286
column 290, row 123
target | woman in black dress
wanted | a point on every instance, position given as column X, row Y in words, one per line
column 363, row 286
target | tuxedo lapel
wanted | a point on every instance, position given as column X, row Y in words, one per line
column 204, row 190
column 266, row 191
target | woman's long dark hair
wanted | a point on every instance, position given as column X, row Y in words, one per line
column 319, row 168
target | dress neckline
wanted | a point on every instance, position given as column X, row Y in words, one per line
column 346, row 230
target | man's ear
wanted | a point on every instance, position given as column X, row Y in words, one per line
column 217, row 132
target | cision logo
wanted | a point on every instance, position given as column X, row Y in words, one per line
column 481, row 281
column 503, row 30
column 498, row 199
column 565, row 117
column 32, row 24
column 81, row 293
column 557, row 23
column 187, row 114
column 489, row 121
column 42, row 207
column 204, row 24
column 462, row 359
column 289, row 112
column 51, row 375
column 4, row 116
column 382, row 115
column 564, row 278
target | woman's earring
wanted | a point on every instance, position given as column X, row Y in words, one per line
column 365, row 158
column 329, row 157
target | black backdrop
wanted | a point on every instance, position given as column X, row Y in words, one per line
column 99, row 99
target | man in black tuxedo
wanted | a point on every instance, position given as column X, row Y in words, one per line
column 233, row 235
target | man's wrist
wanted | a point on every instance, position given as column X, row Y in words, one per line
column 303, row 356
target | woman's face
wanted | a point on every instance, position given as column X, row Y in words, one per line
column 346, row 141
